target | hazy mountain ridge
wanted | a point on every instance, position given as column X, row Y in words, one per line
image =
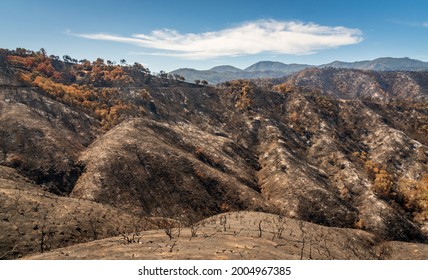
column 273, row 69
column 383, row 64
column 225, row 68
column 276, row 66
column 149, row 147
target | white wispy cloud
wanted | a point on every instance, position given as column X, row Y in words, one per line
column 282, row 37
column 411, row 23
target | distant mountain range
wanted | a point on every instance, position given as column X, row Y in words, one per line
column 273, row 69
column 383, row 64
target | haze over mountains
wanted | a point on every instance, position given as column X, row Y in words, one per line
column 271, row 69
column 100, row 160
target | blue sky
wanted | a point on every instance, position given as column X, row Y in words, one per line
column 166, row 35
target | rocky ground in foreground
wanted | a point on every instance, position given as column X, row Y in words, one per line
column 243, row 235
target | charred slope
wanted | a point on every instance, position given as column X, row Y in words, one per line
column 171, row 170
column 190, row 152
column 362, row 84
column 42, row 138
column 304, row 156
column 321, row 161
